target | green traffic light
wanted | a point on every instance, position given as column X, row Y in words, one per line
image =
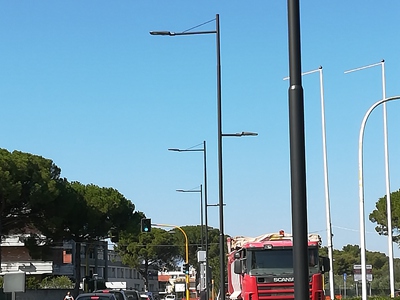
column 146, row 225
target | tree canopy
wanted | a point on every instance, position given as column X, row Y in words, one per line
column 156, row 249
column 28, row 183
column 35, row 199
column 379, row 215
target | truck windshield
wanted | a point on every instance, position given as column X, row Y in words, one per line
column 278, row 261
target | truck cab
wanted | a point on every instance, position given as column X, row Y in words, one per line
column 262, row 268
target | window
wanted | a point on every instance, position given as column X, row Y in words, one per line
column 112, row 272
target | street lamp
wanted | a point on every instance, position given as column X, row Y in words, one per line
column 220, row 135
column 201, row 209
column 388, row 202
column 194, row 149
column 361, row 194
column 326, row 182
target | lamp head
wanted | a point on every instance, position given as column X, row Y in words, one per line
column 246, row 133
column 162, row 33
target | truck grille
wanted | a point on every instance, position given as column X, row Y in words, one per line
column 270, row 291
column 279, row 291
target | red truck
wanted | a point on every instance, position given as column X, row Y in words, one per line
column 261, row 268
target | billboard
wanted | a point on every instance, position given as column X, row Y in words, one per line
column 357, row 272
column 180, row 287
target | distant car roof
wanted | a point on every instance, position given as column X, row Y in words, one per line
column 119, row 295
column 132, row 294
column 96, row 296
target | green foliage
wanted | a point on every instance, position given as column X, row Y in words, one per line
column 157, row 249
column 194, row 238
column 214, row 262
column 32, row 195
column 61, row 282
column 32, row 283
column 379, row 215
column 28, row 183
column 345, row 259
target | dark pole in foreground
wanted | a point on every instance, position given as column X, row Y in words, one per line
column 297, row 157
column 220, row 180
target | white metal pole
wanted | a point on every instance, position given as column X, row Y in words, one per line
column 326, row 182
column 388, row 201
column 387, row 177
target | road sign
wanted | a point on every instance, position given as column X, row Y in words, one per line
column 344, row 276
column 357, row 272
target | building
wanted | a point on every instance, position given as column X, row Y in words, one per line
column 96, row 260
column 168, row 282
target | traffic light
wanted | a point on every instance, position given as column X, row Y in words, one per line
column 114, row 236
column 146, row 225
column 186, row 269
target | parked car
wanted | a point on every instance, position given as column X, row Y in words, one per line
column 146, row 296
column 122, row 294
column 132, row 294
column 96, row 296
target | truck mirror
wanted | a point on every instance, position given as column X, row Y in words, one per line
column 237, row 266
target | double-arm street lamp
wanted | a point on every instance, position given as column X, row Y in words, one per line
column 220, row 135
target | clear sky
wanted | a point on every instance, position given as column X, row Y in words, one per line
column 84, row 84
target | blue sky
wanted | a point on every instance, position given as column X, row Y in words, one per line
column 84, row 84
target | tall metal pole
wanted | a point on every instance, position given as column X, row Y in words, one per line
column 297, row 157
column 326, row 184
column 387, row 177
column 201, row 218
column 220, row 179
column 388, row 201
column 326, row 181
column 204, row 150
column 206, row 217
column 361, row 195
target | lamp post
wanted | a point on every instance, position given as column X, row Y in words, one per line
column 218, row 53
column 297, row 156
column 201, row 209
column 221, row 203
column 361, row 194
column 387, row 177
column 326, row 182
column 193, row 149
column 220, row 135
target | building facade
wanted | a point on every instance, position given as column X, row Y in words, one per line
column 97, row 259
